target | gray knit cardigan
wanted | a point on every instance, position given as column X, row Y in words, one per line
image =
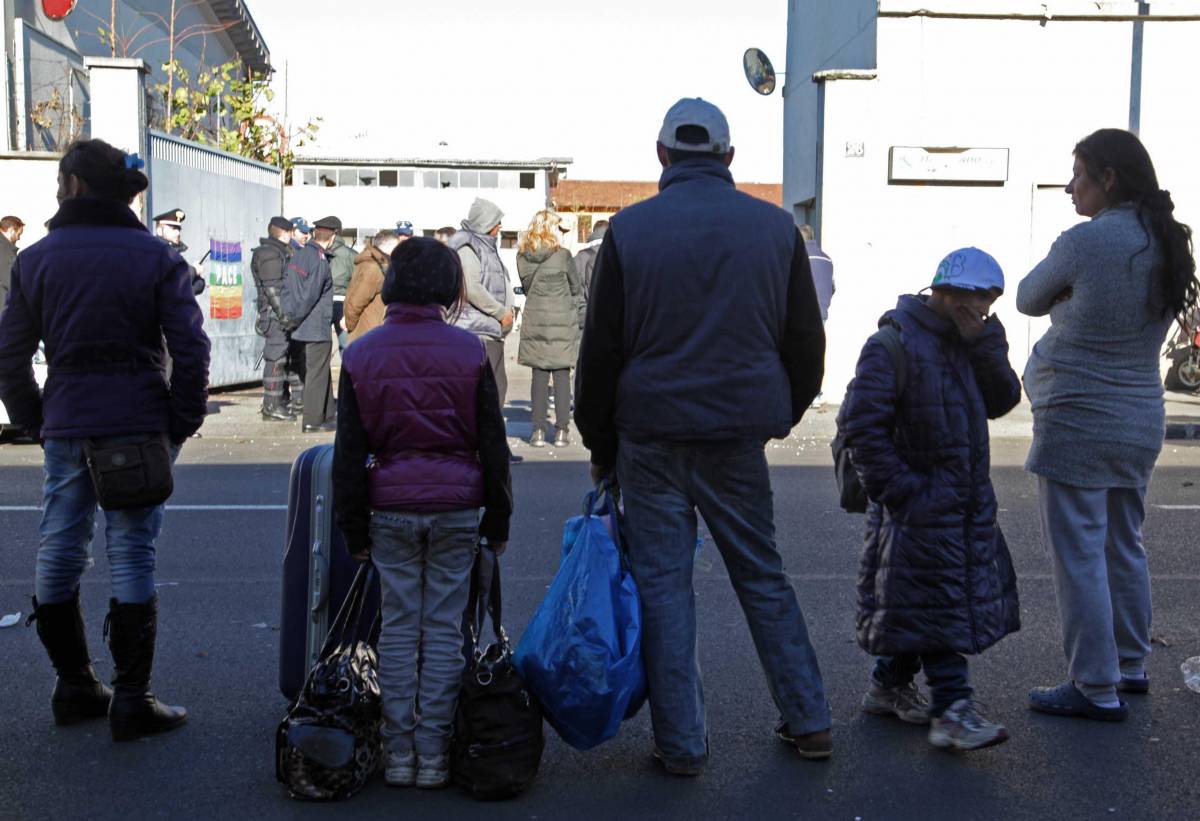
column 1093, row 379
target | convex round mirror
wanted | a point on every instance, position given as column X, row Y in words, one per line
column 759, row 71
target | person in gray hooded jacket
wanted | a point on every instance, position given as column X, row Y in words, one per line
column 486, row 314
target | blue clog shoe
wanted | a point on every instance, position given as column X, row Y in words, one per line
column 1066, row 700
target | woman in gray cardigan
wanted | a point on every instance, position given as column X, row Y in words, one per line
column 550, row 329
column 1112, row 287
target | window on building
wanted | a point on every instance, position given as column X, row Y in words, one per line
column 509, row 179
column 428, row 232
column 347, row 176
column 508, row 239
column 308, row 176
column 448, row 179
column 489, row 179
column 528, row 179
column 429, row 179
column 327, row 177
column 408, row 179
column 288, row 176
column 468, row 179
column 368, row 176
column 387, row 178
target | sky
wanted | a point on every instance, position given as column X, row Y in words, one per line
column 522, row 79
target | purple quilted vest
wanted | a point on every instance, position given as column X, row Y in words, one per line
column 415, row 378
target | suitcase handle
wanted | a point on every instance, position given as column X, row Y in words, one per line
column 320, row 564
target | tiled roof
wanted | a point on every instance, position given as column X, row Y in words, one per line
column 612, row 195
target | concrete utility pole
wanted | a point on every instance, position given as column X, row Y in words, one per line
column 1135, row 72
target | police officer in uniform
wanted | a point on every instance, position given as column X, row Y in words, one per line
column 283, row 360
column 308, row 294
column 168, row 226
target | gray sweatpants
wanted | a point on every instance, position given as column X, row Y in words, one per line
column 424, row 562
column 1101, row 577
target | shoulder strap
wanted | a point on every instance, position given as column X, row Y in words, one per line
column 889, row 337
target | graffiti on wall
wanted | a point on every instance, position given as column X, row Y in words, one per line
column 225, row 280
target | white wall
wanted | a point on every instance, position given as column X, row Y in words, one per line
column 822, row 34
column 1035, row 90
column 28, row 185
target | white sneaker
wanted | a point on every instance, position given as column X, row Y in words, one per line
column 433, row 771
column 905, row 703
column 400, row 770
column 963, row 728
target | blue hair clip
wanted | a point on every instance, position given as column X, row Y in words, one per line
column 133, row 161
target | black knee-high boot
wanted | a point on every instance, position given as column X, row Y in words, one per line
column 78, row 694
column 131, row 631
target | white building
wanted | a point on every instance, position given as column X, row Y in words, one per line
column 912, row 129
column 369, row 195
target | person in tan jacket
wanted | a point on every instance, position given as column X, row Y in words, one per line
column 364, row 305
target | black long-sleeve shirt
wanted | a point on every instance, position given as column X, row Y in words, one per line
column 351, row 496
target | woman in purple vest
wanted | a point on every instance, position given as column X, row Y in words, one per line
column 421, row 447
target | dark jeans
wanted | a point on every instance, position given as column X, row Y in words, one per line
column 664, row 485
column 495, row 355
column 319, row 406
column 540, row 398
column 945, row 672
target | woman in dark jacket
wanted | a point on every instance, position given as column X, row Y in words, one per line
column 937, row 581
column 554, row 302
column 104, row 294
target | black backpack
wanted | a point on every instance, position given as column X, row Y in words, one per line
column 852, row 495
column 498, row 739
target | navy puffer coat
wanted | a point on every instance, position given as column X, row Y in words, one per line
column 936, row 574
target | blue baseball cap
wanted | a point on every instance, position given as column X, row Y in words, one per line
column 970, row 270
column 404, row 228
column 301, row 225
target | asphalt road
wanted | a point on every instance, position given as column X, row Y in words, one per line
column 218, row 643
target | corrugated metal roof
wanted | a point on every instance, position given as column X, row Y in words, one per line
column 244, row 34
column 613, row 195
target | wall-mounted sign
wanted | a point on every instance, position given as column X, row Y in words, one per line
column 58, row 9
column 915, row 164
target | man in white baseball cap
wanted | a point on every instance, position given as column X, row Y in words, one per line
column 703, row 340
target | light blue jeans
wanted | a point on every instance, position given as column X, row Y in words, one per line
column 69, row 524
column 663, row 486
column 424, row 562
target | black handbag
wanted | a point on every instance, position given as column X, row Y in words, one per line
column 498, row 738
column 130, row 475
column 328, row 746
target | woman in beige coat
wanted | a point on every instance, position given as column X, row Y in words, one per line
column 364, row 306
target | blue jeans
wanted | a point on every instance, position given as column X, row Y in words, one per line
column 69, row 523
column 424, row 562
column 663, row 486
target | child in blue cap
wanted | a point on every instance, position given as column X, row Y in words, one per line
column 936, row 583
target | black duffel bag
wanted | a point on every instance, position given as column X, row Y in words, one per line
column 328, row 746
column 498, row 740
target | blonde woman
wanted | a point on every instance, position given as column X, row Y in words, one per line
column 554, row 302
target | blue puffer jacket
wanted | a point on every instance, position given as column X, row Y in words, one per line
column 936, row 574
column 104, row 294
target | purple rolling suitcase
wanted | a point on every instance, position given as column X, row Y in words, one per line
column 317, row 569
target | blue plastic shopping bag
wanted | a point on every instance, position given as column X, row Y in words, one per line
column 582, row 653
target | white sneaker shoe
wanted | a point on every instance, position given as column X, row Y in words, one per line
column 963, row 728
column 905, row 703
column 400, row 769
column 433, row 771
